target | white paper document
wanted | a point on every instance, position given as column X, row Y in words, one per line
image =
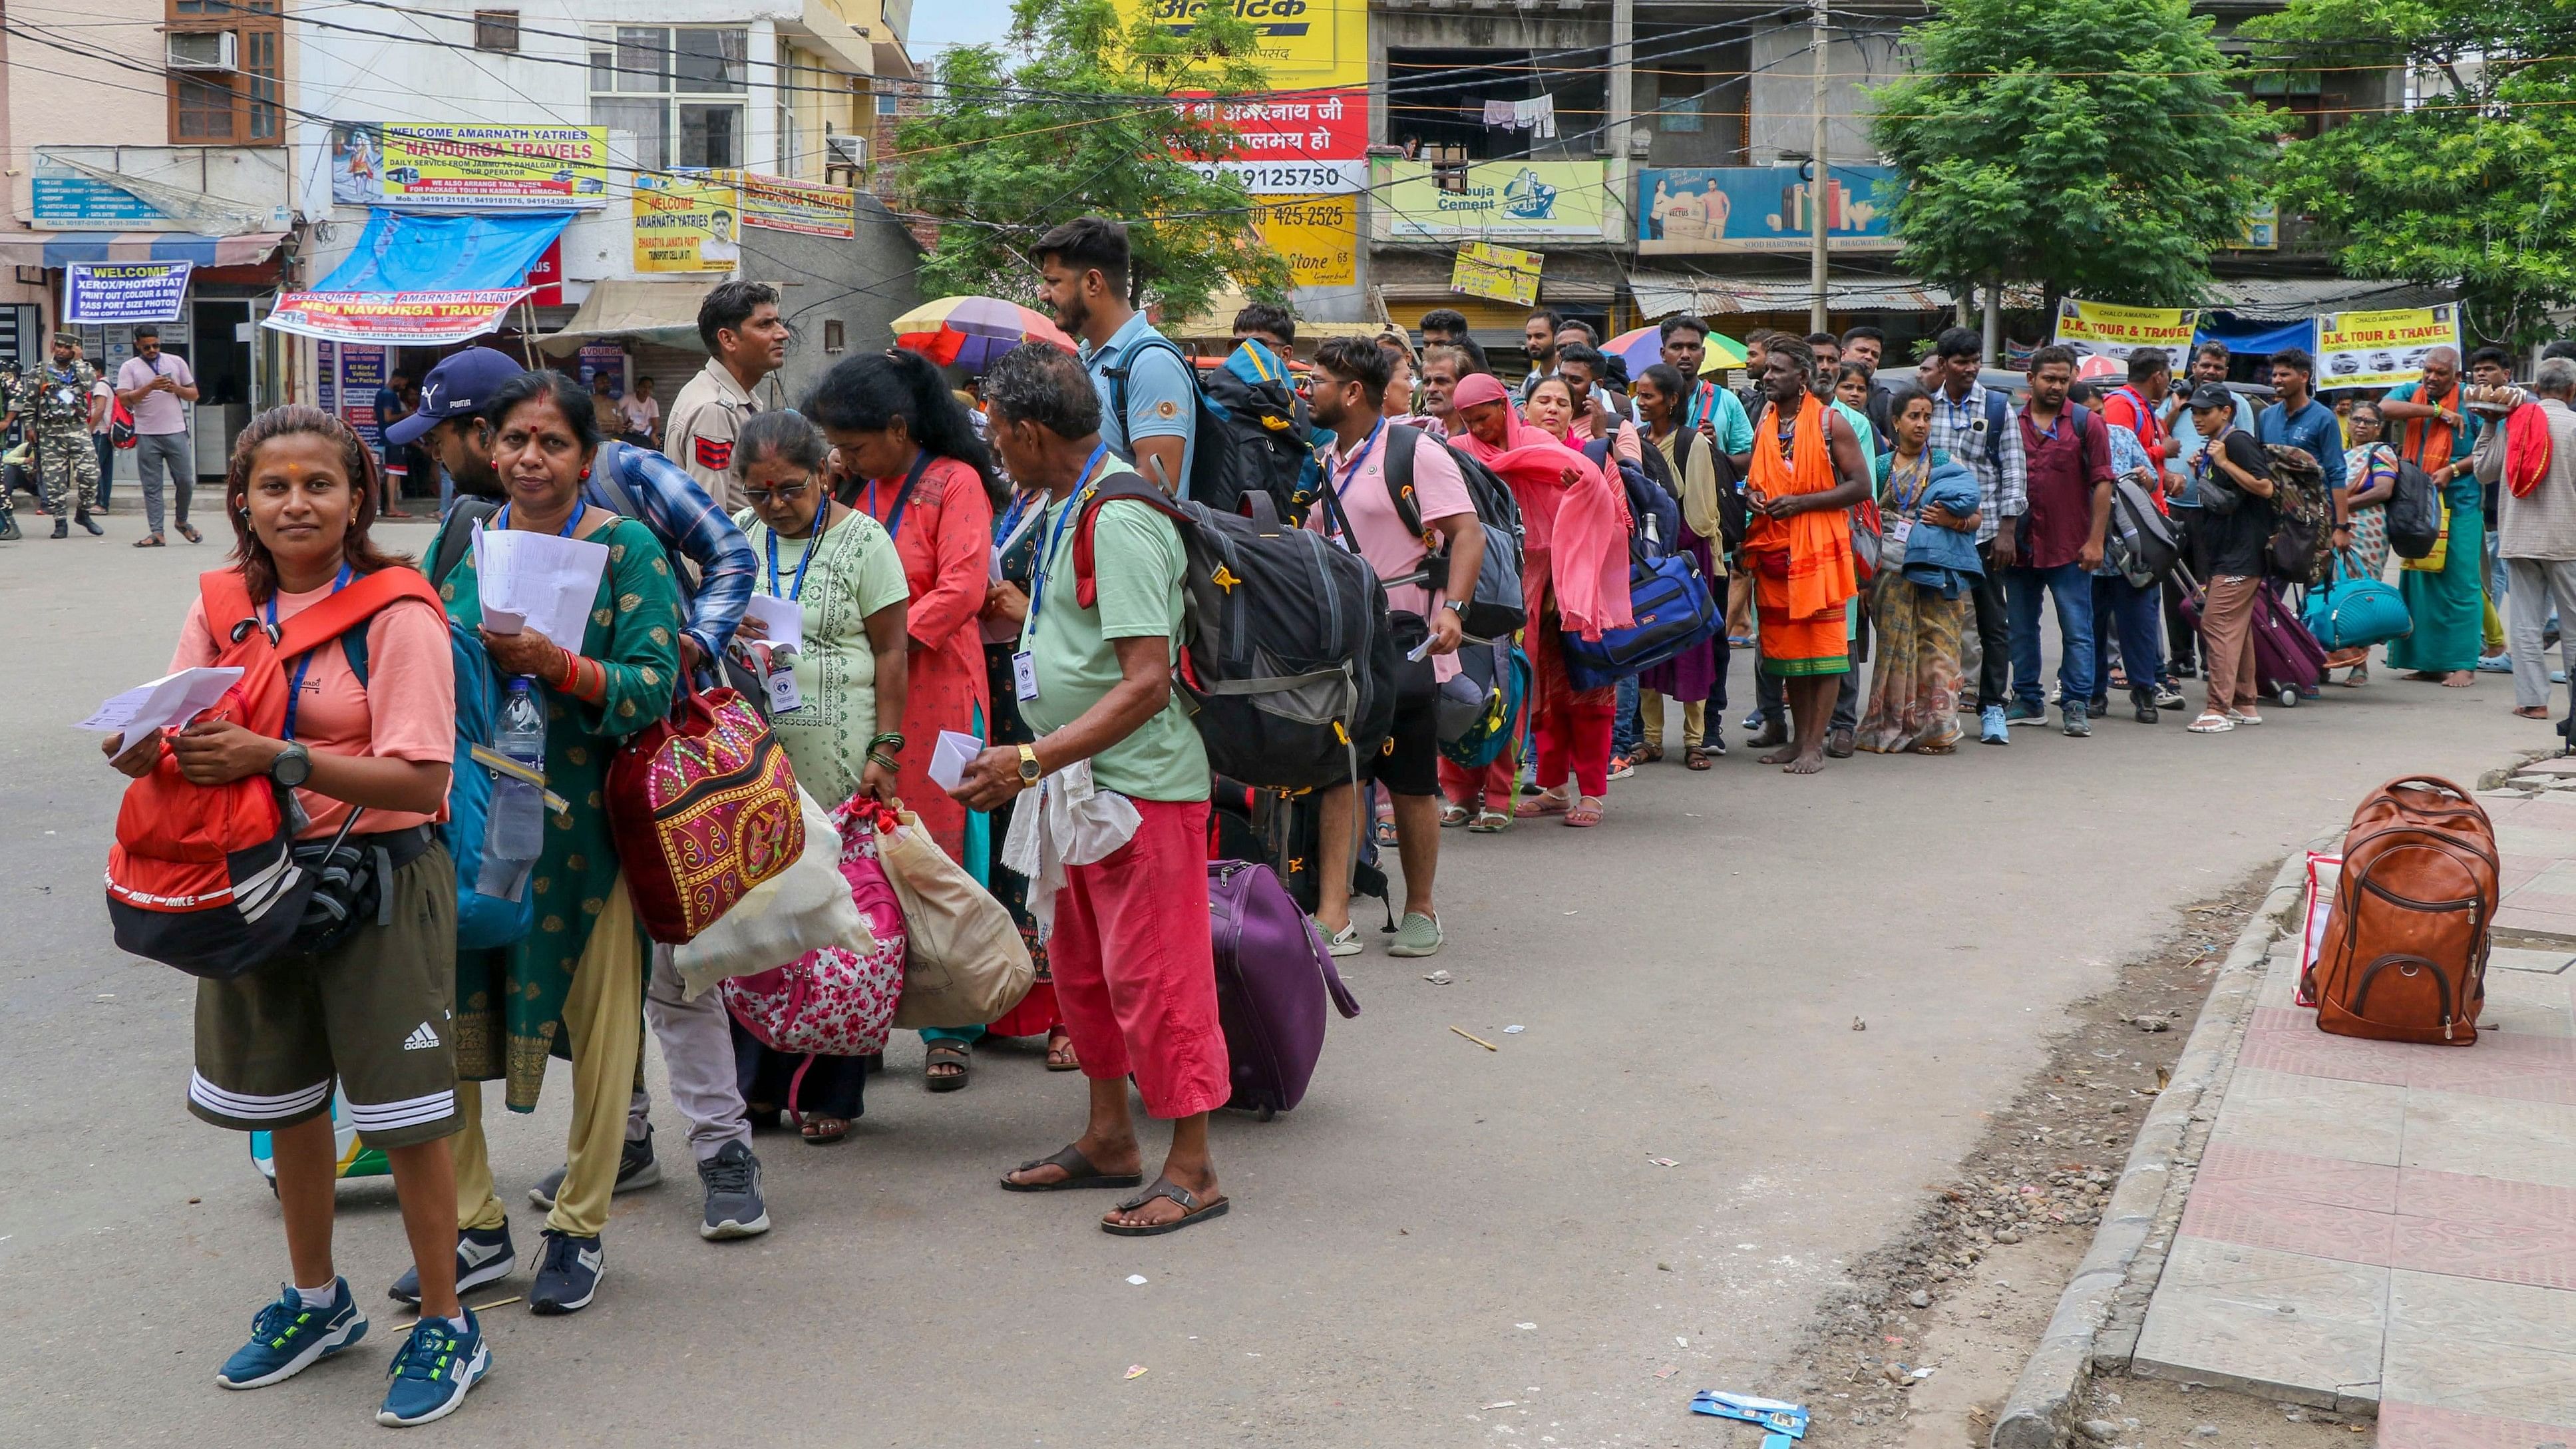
column 538, row 581
column 949, row 761
column 171, row 699
column 783, row 618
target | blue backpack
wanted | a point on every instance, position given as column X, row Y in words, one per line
column 482, row 921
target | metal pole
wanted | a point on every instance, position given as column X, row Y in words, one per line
column 1822, row 185
column 1995, row 321
column 1622, row 99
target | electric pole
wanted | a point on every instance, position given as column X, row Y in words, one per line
column 1821, row 187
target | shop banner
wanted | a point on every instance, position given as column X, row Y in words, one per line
column 362, row 374
column 117, row 292
column 775, row 203
column 1319, row 235
column 1302, row 42
column 2098, row 329
column 1291, row 141
column 393, row 319
column 2382, row 349
column 686, row 226
column 1764, row 209
column 484, row 167
column 1508, row 199
column 1498, row 274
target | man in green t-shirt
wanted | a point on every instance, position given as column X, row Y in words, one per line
column 1093, row 672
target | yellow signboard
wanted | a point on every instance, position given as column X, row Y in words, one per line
column 1319, row 235
column 686, row 226
column 1511, row 199
column 2100, row 329
column 1499, row 274
column 776, row 203
column 1303, row 42
column 494, row 166
column 2382, row 349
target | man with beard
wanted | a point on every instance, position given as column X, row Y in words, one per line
column 1538, row 340
column 1148, row 399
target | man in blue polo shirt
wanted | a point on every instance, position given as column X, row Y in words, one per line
column 1148, row 404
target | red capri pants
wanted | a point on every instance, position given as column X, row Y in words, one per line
column 1134, row 969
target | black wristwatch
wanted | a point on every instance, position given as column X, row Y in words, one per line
column 292, row 767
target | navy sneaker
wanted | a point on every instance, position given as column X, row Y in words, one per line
column 568, row 1273
column 734, row 1207
column 483, row 1255
column 287, row 1338
column 433, row 1371
column 636, row 1167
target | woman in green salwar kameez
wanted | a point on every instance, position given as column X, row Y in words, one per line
column 573, row 986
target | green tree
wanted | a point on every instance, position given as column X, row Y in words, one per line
column 2094, row 149
column 2475, row 186
column 1055, row 124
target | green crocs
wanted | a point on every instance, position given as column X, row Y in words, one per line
column 1418, row 936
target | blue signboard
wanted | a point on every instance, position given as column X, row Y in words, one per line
column 122, row 292
column 1763, row 209
column 80, row 199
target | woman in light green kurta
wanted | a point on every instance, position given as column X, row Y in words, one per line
column 841, row 570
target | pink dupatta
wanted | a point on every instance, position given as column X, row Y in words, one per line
column 1582, row 527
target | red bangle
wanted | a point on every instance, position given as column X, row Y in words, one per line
column 571, row 669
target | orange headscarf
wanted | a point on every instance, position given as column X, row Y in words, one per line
column 1817, row 542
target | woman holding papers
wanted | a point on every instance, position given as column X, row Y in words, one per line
column 574, row 985
column 838, row 571
column 916, row 466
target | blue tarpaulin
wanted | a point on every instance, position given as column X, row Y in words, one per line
column 408, row 251
column 2248, row 338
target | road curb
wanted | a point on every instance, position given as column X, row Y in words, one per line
column 2039, row 1413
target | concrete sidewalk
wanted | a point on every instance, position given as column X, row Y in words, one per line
column 2375, row 1223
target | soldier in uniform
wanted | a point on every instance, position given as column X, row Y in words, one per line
column 58, row 400
column 13, row 474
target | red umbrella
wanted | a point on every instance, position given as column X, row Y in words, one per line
column 969, row 332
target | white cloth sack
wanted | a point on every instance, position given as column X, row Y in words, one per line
column 805, row 907
column 1071, row 822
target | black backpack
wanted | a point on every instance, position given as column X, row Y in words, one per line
column 1646, row 502
column 1223, row 463
column 2414, row 512
column 1497, row 611
column 1290, row 667
column 2143, row 544
column 1271, row 432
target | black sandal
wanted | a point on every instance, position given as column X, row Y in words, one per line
column 1078, row 1173
column 947, row 1053
column 1192, row 1210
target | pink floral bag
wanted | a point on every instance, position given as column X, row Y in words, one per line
column 835, row 1001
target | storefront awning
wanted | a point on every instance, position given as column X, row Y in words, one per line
column 410, row 251
column 662, row 313
column 58, row 249
column 395, row 319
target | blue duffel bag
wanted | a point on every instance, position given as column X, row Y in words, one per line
column 1673, row 611
column 2350, row 611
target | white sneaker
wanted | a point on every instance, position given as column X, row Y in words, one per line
column 1344, row 942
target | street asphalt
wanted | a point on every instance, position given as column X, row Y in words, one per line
column 1439, row 1229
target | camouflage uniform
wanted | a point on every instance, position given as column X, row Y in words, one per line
column 55, row 403
column 9, row 472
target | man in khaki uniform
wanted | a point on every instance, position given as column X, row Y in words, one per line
column 746, row 342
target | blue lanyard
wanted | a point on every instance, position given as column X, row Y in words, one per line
column 813, row 546
column 1055, row 535
column 894, row 520
column 1011, row 518
column 1353, row 471
column 502, row 519
column 303, row 661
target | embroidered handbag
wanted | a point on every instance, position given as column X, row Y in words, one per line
column 838, row 1000
column 703, row 807
column 803, row 908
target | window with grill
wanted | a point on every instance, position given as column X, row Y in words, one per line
column 226, row 72
column 649, row 80
column 496, row 30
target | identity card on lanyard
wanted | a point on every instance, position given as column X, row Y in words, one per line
column 1024, row 665
column 778, row 675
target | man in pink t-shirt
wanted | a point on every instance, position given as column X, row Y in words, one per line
column 1351, row 375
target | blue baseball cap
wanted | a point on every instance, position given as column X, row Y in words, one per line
column 457, row 388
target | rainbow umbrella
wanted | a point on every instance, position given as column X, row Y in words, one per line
column 1644, row 347
column 970, row 332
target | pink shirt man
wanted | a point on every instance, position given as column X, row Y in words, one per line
column 1359, row 482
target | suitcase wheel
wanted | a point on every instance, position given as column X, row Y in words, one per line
column 2289, row 697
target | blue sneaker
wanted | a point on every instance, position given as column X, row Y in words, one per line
column 287, row 1338
column 568, row 1271
column 433, row 1371
column 2495, row 664
column 483, row 1255
column 1991, row 728
column 2023, row 710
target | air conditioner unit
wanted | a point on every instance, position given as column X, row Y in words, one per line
column 845, row 150
column 204, row 50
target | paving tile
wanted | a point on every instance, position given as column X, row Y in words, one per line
column 2488, row 1136
column 2523, row 920
column 2555, row 765
column 2368, row 1186
column 2484, row 1227
column 2297, row 1048
column 2513, row 958
column 2503, row 1056
column 2506, row 1350
column 2324, row 1117
column 2217, row 1316
column 2235, row 1213
column 2423, row 1426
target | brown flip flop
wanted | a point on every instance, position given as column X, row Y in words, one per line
column 1078, row 1173
column 1192, row 1210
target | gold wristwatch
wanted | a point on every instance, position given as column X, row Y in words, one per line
column 1029, row 771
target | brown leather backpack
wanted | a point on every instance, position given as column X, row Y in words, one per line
column 2405, row 953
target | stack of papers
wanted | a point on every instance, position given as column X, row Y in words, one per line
column 538, row 581
column 173, row 699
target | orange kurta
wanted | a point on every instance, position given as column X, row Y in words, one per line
column 945, row 539
column 1803, row 577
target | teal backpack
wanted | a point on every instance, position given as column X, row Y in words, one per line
column 482, row 921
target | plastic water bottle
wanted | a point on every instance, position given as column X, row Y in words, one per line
column 518, row 827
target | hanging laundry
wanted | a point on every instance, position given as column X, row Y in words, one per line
column 1539, row 112
column 1501, row 115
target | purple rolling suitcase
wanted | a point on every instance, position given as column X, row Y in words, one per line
column 1272, row 976
column 2287, row 658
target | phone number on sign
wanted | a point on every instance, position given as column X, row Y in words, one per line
column 1263, row 179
